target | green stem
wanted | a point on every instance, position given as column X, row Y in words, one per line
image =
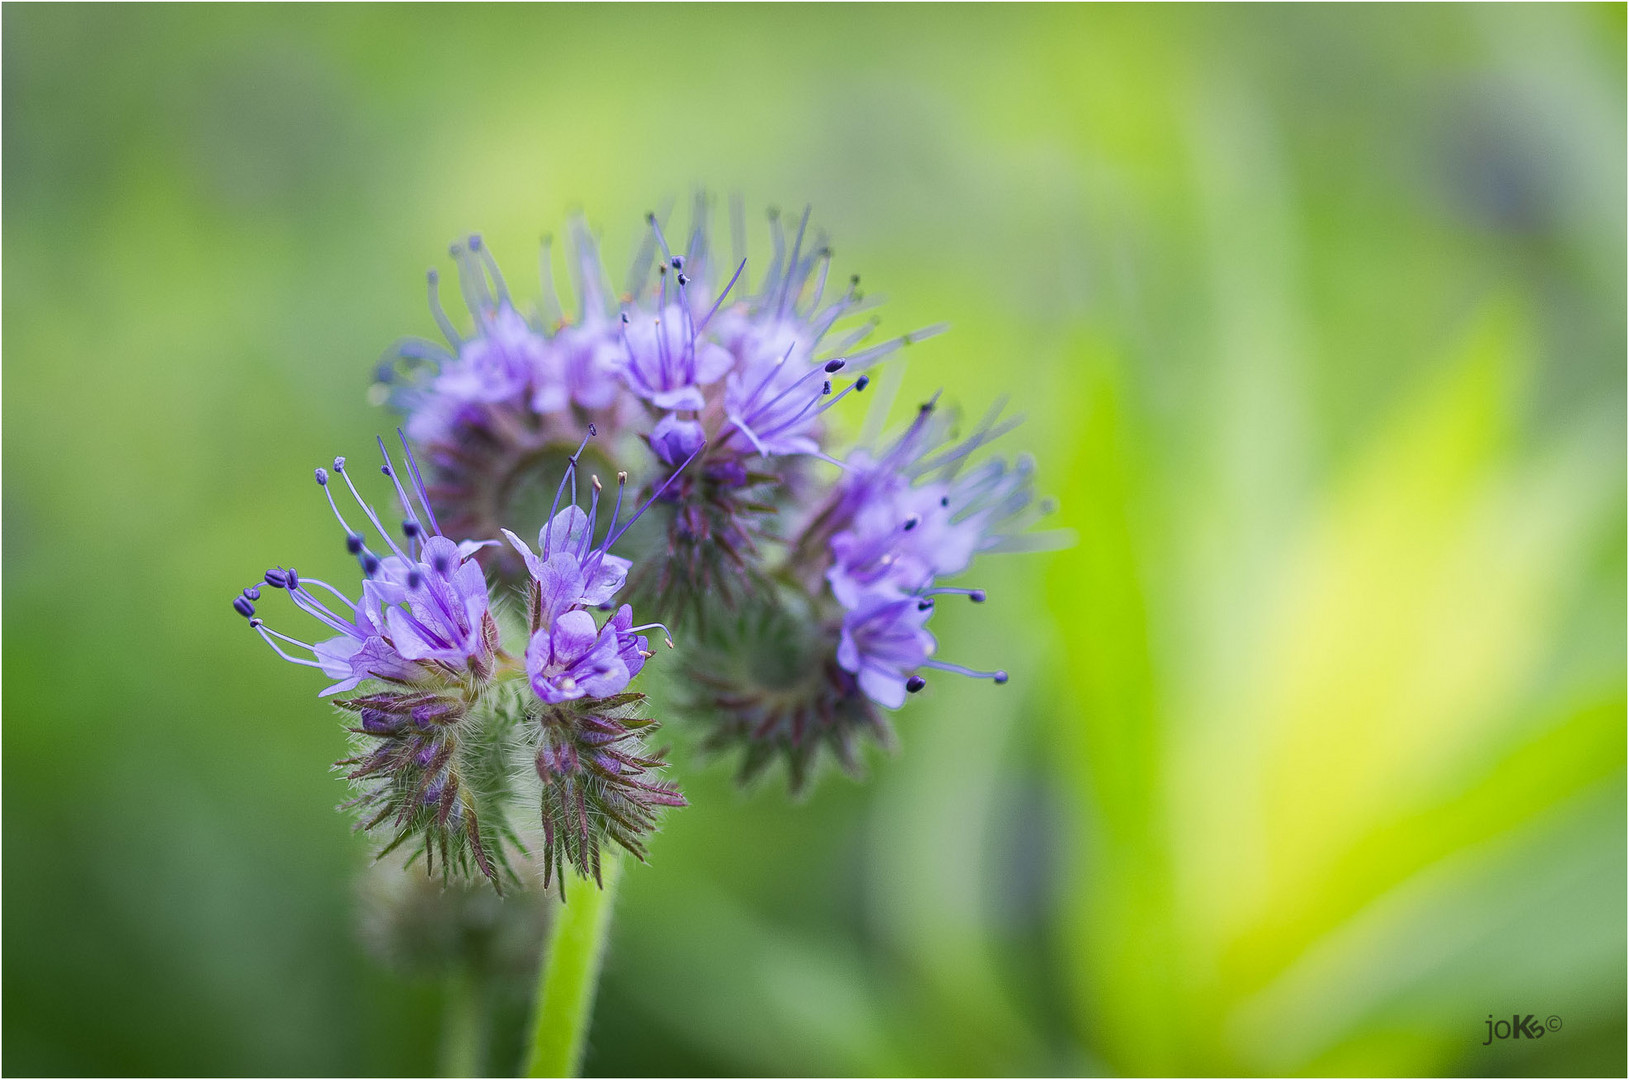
column 463, row 1026
column 570, row 975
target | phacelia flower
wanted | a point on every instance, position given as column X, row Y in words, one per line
column 691, row 356
column 446, row 708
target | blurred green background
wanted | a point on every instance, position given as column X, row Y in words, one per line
column 1313, row 755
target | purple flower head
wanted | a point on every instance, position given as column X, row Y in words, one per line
column 423, row 612
column 569, row 655
column 507, row 361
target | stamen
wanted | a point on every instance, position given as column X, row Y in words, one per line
column 447, row 329
column 612, row 539
column 241, row 605
column 914, row 684
column 997, row 677
column 720, row 301
column 389, row 469
column 666, row 633
column 418, row 483
column 491, row 265
column 266, row 631
column 368, row 510
column 791, row 265
column 571, row 475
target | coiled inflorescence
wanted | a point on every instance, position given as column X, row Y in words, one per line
column 449, row 724
column 725, row 375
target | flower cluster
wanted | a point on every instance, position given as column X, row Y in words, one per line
column 801, row 571
column 447, row 716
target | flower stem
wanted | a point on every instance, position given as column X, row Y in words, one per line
column 570, row 975
column 463, row 1026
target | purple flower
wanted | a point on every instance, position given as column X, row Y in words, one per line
column 568, row 572
column 884, row 642
column 423, row 611
column 574, row 658
column 675, row 439
column 668, row 363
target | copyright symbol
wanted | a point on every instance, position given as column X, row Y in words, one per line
column 1553, row 1023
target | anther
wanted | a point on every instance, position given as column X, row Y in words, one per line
column 370, row 563
column 339, row 464
column 592, row 430
column 414, row 578
column 912, row 522
column 241, row 605
column 683, row 279
column 915, row 683
column 293, row 579
column 977, row 596
column 322, row 476
column 257, row 623
column 678, row 262
column 411, row 528
column 861, row 383
column 251, row 593
column 475, row 241
column 924, row 605
column 277, row 579
column 353, row 542
column 944, row 500
column 835, row 365
column 1000, row 677
column 825, row 388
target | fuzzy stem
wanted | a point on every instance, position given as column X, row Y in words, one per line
column 462, row 1030
column 570, row 975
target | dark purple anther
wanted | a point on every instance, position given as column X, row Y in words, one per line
column 414, row 578
column 353, row 543
column 977, row 596
column 912, row 522
column 251, row 593
column 915, row 683
column 834, row 365
column 242, row 606
column 924, row 605
column 861, row 383
column 277, row 579
column 411, row 528
column 678, row 262
column 592, row 430
column 370, row 563
column 1000, row 677
column 292, row 579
